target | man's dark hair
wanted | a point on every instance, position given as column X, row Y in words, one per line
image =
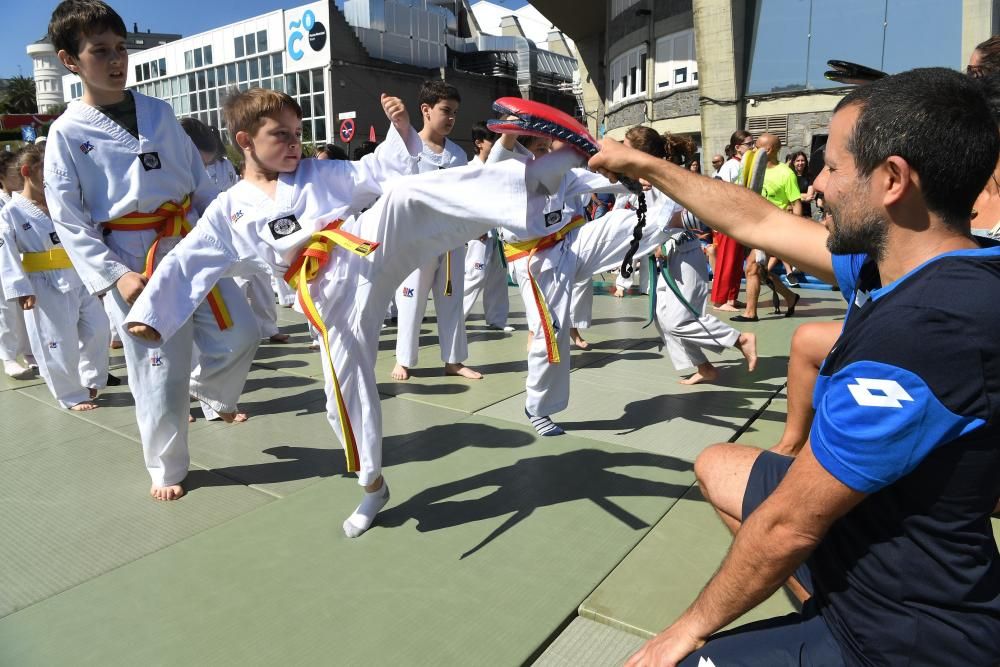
column 333, row 152
column 74, row 19
column 939, row 122
column 480, row 132
column 205, row 138
column 989, row 56
column 435, row 90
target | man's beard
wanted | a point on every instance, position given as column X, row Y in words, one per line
column 867, row 233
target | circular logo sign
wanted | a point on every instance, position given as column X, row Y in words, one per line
column 347, row 130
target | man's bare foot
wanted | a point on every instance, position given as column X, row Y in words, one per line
column 172, row 492
column 237, row 417
column 84, row 406
column 747, row 345
column 400, row 372
column 706, row 373
column 726, row 307
column 278, row 338
column 577, row 340
column 463, row 371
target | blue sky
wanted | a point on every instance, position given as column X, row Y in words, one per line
column 28, row 20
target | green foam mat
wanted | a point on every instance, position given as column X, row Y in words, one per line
column 586, row 643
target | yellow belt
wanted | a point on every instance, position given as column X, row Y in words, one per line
column 169, row 220
column 48, row 260
column 302, row 271
column 520, row 249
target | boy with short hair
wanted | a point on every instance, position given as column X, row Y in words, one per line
column 122, row 182
column 290, row 213
column 14, row 344
column 443, row 275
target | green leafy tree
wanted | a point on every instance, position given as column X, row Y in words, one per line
column 19, row 96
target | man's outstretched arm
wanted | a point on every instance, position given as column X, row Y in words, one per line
column 731, row 209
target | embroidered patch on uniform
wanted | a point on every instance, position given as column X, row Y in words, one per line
column 553, row 218
column 150, row 161
column 26, row 226
column 86, row 147
column 407, row 291
column 54, row 238
column 284, row 226
column 156, row 360
column 53, row 345
column 236, row 216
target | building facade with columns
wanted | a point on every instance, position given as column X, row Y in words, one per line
column 705, row 68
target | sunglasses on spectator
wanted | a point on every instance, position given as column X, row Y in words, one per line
column 748, row 142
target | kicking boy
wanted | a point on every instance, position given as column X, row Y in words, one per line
column 67, row 326
column 289, row 212
column 444, row 275
column 122, row 182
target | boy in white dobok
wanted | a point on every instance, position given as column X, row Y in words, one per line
column 444, row 275
column 123, row 184
column 67, row 326
column 291, row 214
column 14, row 346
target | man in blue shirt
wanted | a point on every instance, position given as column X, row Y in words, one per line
column 882, row 521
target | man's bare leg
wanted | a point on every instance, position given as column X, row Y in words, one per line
column 753, row 277
column 462, row 370
column 811, row 343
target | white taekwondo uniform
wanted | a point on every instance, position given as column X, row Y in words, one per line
column 13, row 334
column 486, row 274
column 413, row 220
column 587, row 249
column 96, row 173
column 68, row 327
column 434, row 275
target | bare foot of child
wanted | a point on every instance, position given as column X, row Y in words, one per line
column 237, row 417
column 706, row 373
column 727, row 307
column 85, row 406
column 172, row 492
column 747, row 344
column 400, row 372
column 462, row 371
column 577, row 339
column 190, row 419
column 279, row 338
column 619, row 292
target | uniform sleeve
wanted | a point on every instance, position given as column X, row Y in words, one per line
column 875, row 422
column 396, row 156
column 186, row 275
column 98, row 267
column 584, row 181
column 13, row 280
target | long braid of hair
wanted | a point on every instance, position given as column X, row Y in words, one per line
column 640, row 223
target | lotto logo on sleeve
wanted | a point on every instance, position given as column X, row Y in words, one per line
column 872, row 393
column 408, row 291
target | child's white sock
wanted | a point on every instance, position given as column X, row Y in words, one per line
column 363, row 516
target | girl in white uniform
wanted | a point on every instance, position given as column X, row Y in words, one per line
column 123, row 182
column 67, row 326
column 282, row 208
column 14, row 346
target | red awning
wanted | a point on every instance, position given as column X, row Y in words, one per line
column 15, row 121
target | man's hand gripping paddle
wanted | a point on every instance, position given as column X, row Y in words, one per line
column 541, row 120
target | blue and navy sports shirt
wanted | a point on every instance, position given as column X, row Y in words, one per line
column 908, row 411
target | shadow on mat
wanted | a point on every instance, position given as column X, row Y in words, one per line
column 532, row 483
column 294, row 462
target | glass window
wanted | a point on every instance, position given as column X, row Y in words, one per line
column 628, row 75
column 193, row 101
column 163, row 66
column 243, row 86
column 265, row 84
column 182, row 84
column 241, row 70
column 208, row 54
column 303, row 82
column 306, row 103
column 158, row 89
column 265, row 66
column 278, row 83
column 254, row 69
column 188, row 60
column 201, row 80
column 846, row 31
column 210, row 78
column 231, row 73
column 213, row 100
column 320, row 134
column 319, row 105
column 138, row 72
column 251, row 40
column 262, row 41
column 214, row 118
column 198, row 62
column 192, row 82
column 154, row 68
column 317, row 81
column 276, row 64
column 779, row 45
column 290, row 87
column 923, row 33
column 145, row 71
column 202, row 100
column 238, row 46
column 676, row 63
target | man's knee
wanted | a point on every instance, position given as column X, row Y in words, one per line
column 722, row 472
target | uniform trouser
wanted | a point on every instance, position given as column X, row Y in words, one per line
column 162, row 381
column 583, row 302
column 259, row 294
column 595, row 247
column 639, row 269
column 13, row 335
column 69, row 335
column 411, row 302
column 685, row 335
column 485, row 274
column 414, row 221
column 286, row 295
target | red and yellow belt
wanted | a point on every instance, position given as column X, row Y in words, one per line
column 169, row 220
column 520, row 249
column 303, row 271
